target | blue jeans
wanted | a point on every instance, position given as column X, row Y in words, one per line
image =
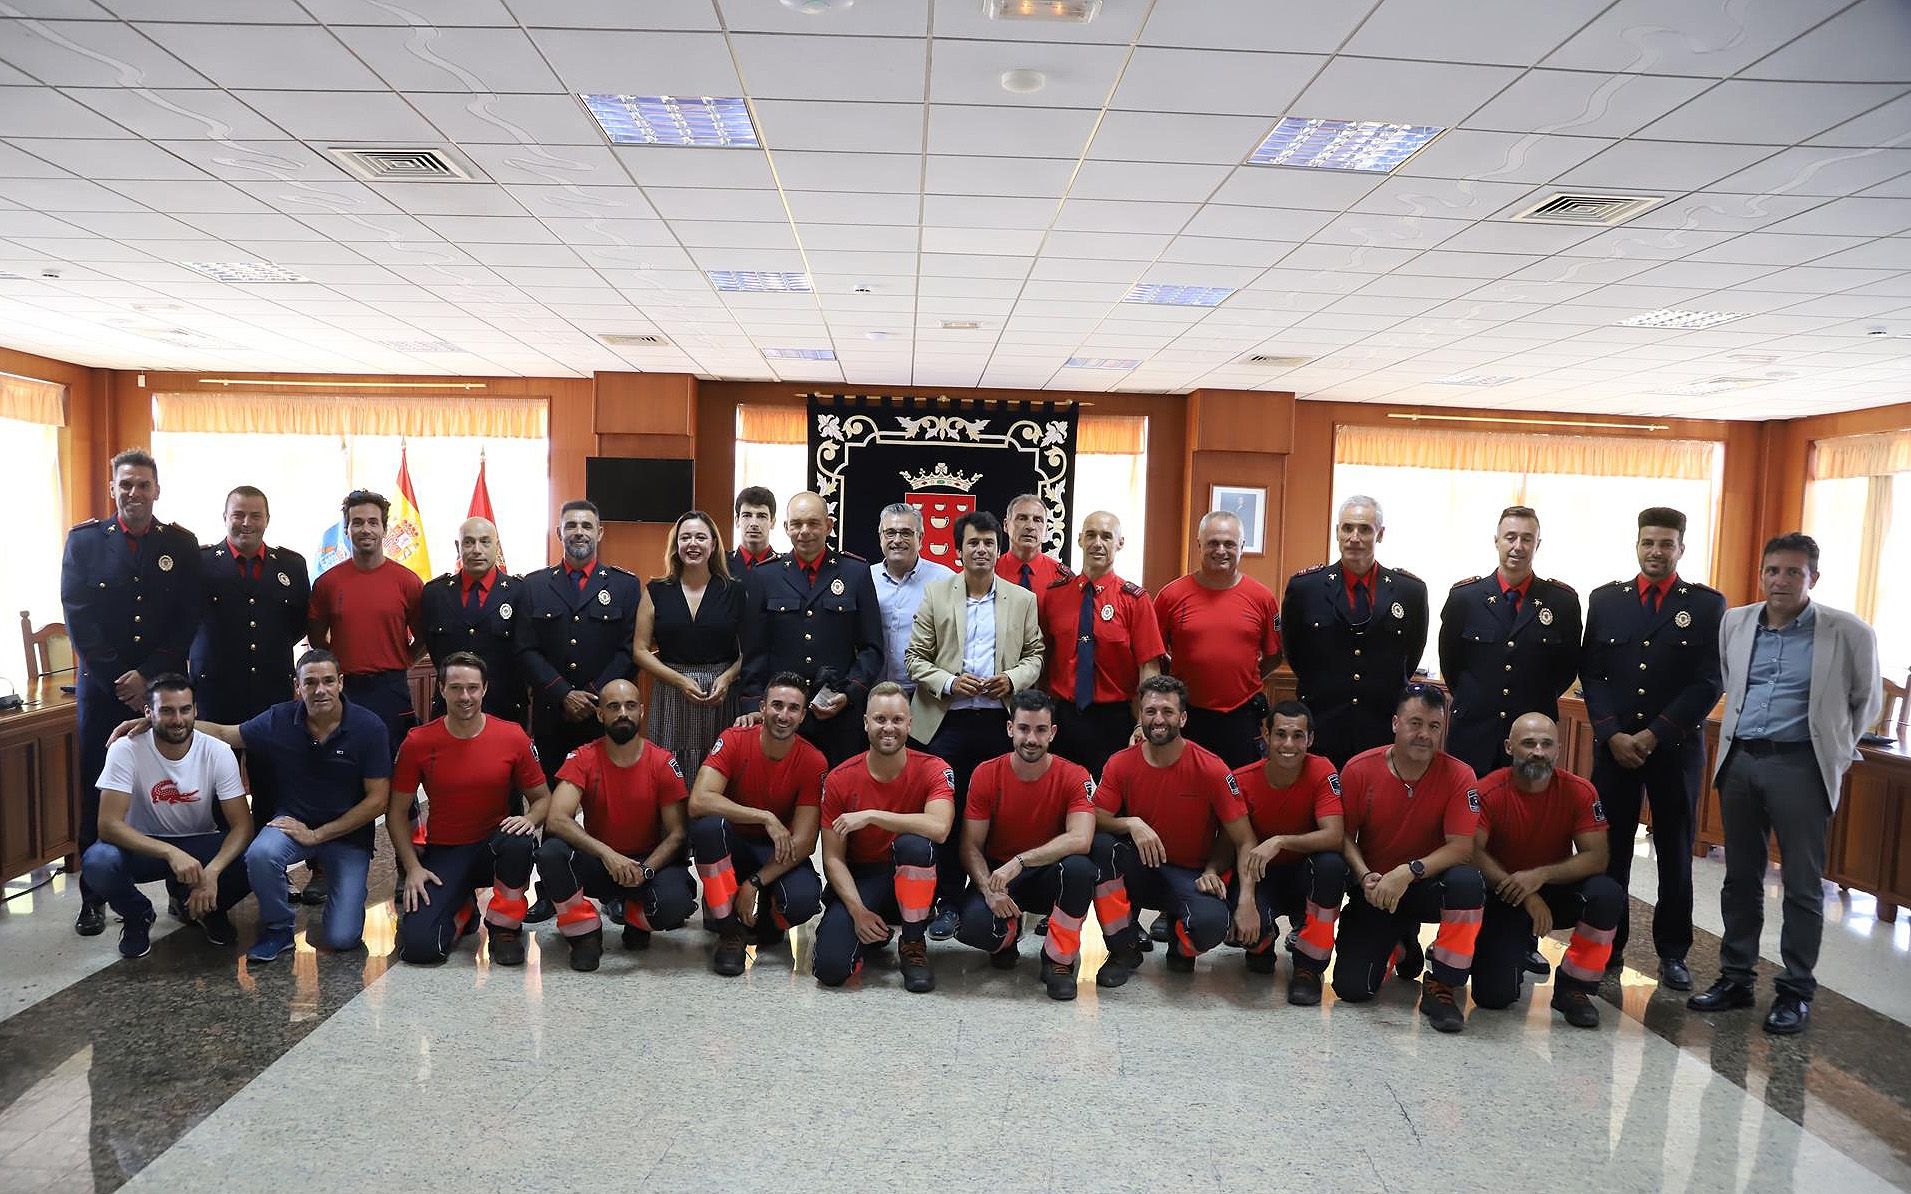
column 113, row 871
column 267, row 859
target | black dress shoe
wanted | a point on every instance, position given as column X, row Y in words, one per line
column 1789, row 1016
column 1722, row 995
column 1674, row 975
column 91, row 921
column 1537, row 965
column 539, row 912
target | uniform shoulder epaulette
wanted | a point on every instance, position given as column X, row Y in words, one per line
column 1469, row 580
column 1132, row 589
column 1062, row 577
column 1560, row 584
column 1405, row 573
column 1311, row 571
column 175, row 528
column 449, row 578
column 1700, row 585
column 614, row 568
column 80, row 526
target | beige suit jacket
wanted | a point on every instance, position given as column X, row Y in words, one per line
column 1847, row 687
column 934, row 656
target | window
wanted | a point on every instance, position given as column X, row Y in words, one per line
column 315, row 451
column 1441, row 491
column 1858, row 507
column 34, row 533
column 772, row 449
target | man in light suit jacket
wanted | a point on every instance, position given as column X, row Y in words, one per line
column 1802, row 682
column 977, row 642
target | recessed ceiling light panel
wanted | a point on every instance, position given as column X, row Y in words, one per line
column 1482, row 380
column 244, row 271
column 1121, row 363
column 799, row 354
column 1162, row 294
column 1079, row 12
column 1687, row 320
column 698, row 122
column 1369, row 146
column 418, row 346
column 760, row 281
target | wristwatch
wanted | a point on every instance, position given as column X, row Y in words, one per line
column 643, row 868
column 755, row 881
column 1418, row 868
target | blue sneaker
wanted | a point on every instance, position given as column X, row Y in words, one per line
column 270, row 945
column 135, row 936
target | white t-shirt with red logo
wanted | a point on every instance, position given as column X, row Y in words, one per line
column 172, row 798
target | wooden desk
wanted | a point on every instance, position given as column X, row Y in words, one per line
column 39, row 756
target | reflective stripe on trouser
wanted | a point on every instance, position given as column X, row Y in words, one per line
column 1112, row 909
column 502, row 862
column 726, row 858
column 1368, row 937
column 1593, row 906
column 662, row 904
column 577, row 916
column 1587, row 952
column 838, row 954
column 1201, row 920
column 1065, row 888
column 1307, row 891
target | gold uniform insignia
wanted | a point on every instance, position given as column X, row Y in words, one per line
column 836, row 587
column 165, row 563
column 1682, row 619
column 1545, row 616
column 603, row 596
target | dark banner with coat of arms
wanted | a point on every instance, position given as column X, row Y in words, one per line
column 943, row 457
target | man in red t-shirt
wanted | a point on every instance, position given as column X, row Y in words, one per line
column 1025, row 840
column 757, row 805
column 886, row 810
column 1296, row 870
column 630, row 846
column 1169, row 823
column 1542, row 845
column 1410, row 811
column 1223, row 634
column 366, row 611
column 469, row 765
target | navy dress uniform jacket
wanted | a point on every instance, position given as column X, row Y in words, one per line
column 242, row 655
column 1350, row 673
column 1497, row 673
column 1646, row 670
column 491, row 633
column 790, row 625
column 128, row 610
column 570, row 639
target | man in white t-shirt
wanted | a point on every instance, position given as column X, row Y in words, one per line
column 156, row 822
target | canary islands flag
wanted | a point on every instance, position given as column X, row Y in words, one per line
column 405, row 532
column 334, row 549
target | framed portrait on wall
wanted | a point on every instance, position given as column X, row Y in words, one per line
column 1249, row 504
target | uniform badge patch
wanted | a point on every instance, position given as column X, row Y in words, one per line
column 1333, row 781
column 285, row 580
column 716, row 748
column 504, row 611
column 1234, row 786
column 1545, row 616
column 1107, row 613
column 948, row 776
column 1399, row 610
column 674, row 768
column 1599, row 811
column 1682, row 619
column 165, row 563
column 603, row 596
column 1473, row 800
column 836, row 587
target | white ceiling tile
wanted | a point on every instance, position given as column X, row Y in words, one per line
column 111, row 160
column 1805, row 170
column 1880, row 126
column 1819, row 279
column 1401, row 90
column 43, row 112
column 414, row 12
column 987, row 212
column 1394, row 232
column 565, row 202
column 1865, row 42
column 444, row 199
column 362, row 226
column 1160, row 181
column 618, row 61
column 288, row 162
column 1238, row 84
column 694, row 203
column 479, row 118
column 64, row 194
column 1716, row 212
column 666, row 166
column 1498, row 31
column 839, row 127
column 1583, row 104
column 862, row 260
column 1661, row 166
column 1503, row 157
column 1011, row 132
column 855, row 207
column 1116, row 246
column 1040, row 177
column 1638, row 243
column 1109, row 215
column 1445, row 199
column 1878, row 254
column 1499, row 236
column 781, row 66
column 1208, row 250
column 1442, row 263
column 1077, row 269
column 970, row 72
column 1278, row 186
column 1768, row 113
column 1257, row 223
column 1177, row 137
column 995, row 241
column 267, row 57
column 342, row 117
column 824, row 171
column 1768, row 248
column 90, row 54
column 1351, row 258
column 1688, row 37
column 17, row 163
column 1251, row 25
column 162, row 114
column 33, row 223
column 576, row 165
column 740, row 234
column 489, row 229
column 1851, row 217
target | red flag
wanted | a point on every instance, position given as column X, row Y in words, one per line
column 481, row 508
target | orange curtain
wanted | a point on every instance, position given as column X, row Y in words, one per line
column 31, row 401
column 1106, row 435
column 302, row 414
column 1879, row 455
column 1498, row 452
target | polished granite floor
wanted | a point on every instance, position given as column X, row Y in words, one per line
column 189, row 1070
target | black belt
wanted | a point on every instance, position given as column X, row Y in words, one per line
column 1763, row 747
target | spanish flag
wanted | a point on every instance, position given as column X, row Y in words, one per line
column 481, row 507
column 405, row 534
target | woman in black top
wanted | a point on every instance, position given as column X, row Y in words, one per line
column 687, row 635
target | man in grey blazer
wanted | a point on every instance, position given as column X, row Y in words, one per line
column 977, row 642
column 1802, row 682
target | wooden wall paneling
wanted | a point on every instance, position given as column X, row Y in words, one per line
column 1307, row 509
column 1239, row 437
column 643, row 416
column 83, row 454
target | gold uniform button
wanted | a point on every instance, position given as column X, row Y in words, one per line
column 1356, row 675
column 1509, row 644
column 1506, row 692
column 1642, row 667
column 573, row 642
column 1509, row 667
column 254, row 625
column 1502, row 715
column 1647, row 643
column 252, row 601
column 1642, row 692
column 136, row 638
column 1356, row 700
column 806, row 638
column 1356, row 656
column 135, row 617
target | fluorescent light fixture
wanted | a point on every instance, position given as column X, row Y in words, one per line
column 699, row 122
column 760, row 281
column 1162, row 294
column 1482, row 380
column 244, row 271
column 1369, row 146
column 1102, row 363
column 800, row 354
column 418, row 346
column 1668, row 318
column 961, row 325
column 1078, row 11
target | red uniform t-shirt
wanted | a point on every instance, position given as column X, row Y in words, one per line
column 371, row 617
column 1023, row 814
column 1532, row 829
column 1126, row 635
column 1043, row 570
column 1294, row 809
column 1185, row 803
column 1218, row 638
column 850, row 788
column 1393, row 825
column 780, row 786
column 623, row 806
column 469, row 780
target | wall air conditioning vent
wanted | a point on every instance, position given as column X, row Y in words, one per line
column 1578, row 207
column 620, row 340
column 404, row 163
column 1275, row 362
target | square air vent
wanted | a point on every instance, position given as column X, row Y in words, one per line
column 416, row 347
column 404, row 163
column 1274, row 362
column 623, row 340
column 1579, row 207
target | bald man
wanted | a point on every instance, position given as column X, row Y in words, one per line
column 478, row 609
column 1541, row 844
column 1102, row 642
column 814, row 612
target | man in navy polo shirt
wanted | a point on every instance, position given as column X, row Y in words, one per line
column 333, row 763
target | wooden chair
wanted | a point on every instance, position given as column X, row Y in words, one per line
column 49, row 649
column 1896, row 715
